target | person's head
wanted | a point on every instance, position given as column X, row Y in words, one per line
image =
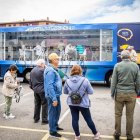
column 129, row 48
column 76, row 70
column 13, row 69
column 125, row 54
column 40, row 63
column 54, row 59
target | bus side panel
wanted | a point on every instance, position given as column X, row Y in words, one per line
column 97, row 73
column 128, row 34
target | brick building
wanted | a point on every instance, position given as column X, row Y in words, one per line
column 31, row 22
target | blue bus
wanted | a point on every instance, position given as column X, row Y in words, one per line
column 93, row 46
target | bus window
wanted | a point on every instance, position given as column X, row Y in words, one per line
column 106, row 45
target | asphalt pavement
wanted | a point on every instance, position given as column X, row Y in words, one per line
column 102, row 111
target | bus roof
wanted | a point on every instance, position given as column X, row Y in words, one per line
column 57, row 27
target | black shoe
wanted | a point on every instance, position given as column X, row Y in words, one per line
column 44, row 122
column 55, row 134
column 36, row 121
column 59, row 129
column 116, row 137
column 129, row 138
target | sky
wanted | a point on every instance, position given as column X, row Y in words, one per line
column 74, row 11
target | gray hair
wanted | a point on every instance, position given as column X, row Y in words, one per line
column 39, row 62
column 125, row 54
column 130, row 47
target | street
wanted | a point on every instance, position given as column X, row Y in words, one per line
column 102, row 111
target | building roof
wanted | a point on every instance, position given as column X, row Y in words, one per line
column 34, row 21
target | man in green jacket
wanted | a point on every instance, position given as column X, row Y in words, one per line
column 125, row 85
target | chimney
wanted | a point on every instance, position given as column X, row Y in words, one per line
column 48, row 18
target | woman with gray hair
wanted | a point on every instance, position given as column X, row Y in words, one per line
column 133, row 54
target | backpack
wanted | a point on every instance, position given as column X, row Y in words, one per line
column 75, row 96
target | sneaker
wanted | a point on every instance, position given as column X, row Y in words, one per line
column 11, row 116
column 55, row 134
column 97, row 136
column 77, row 137
column 5, row 116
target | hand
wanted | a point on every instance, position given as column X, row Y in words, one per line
column 55, row 103
column 18, row 82
column 16, row 85
column 112, row 97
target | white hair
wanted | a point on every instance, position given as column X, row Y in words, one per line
column 39, row 62
column 125, row 54
column 130, row 47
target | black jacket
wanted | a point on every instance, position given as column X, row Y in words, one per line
column 37, row 79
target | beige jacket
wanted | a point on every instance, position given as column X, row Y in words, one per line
column 9, row 85
column 133, row 56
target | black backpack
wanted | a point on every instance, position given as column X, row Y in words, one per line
column 75, row 96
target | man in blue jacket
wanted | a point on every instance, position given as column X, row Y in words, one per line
column 53, row 90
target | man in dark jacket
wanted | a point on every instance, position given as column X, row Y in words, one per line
column 37, row 85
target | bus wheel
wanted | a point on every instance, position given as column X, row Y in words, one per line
column 27, row 75
column 108, row 78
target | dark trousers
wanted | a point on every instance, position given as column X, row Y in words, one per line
column 87, row 116
column 54, row 114
column 40, row 100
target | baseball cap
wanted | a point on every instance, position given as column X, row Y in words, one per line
column 53, row 56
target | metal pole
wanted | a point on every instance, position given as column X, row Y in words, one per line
column 101, row 45
column 4, row 39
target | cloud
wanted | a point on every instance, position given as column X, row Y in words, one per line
column 76, row 11
column 113, row 13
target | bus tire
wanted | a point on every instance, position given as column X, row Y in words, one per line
column 26, row 75
column 108, row 78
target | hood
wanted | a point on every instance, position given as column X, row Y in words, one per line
column 75, row 78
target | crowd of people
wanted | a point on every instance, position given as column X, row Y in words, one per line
column 46, row 82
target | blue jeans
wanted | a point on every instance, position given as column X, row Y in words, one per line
column 87, row 116
column 53, row 114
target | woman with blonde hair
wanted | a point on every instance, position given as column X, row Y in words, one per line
column 78, row 87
